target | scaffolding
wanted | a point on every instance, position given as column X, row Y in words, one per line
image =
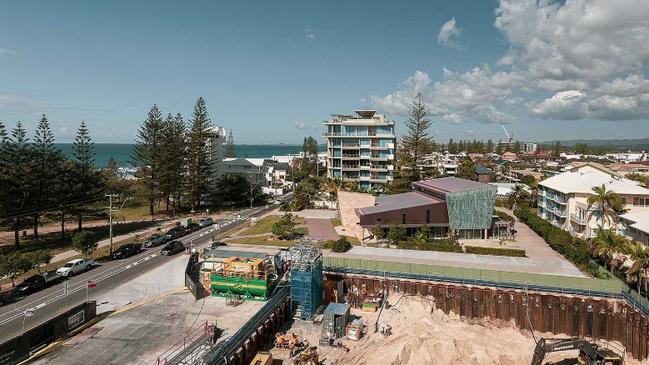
column 306, row 277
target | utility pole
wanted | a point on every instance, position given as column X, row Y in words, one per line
column 110, row 218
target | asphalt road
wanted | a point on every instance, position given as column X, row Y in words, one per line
column 46, row 304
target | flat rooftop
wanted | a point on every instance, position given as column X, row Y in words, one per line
column 399, row 201
column 450, row 184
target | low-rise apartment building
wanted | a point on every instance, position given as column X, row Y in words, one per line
column 635, row 226
column 563, row 198
column 361, row 148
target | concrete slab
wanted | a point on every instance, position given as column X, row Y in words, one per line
column 347, row 202
column 321, row 229
column 151, row 316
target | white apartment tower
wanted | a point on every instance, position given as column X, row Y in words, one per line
column 361, row 148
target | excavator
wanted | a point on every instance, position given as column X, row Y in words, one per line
column 589, row 353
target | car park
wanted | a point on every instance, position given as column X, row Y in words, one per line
column 74, row 267
column 172, row 248
column 155, row 240
column 127, row 250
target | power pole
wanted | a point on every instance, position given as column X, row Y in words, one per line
column 110, row 222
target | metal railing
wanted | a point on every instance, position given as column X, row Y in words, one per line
column 608, row 288
column 229, row 346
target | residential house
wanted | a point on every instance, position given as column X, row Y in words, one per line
column 562, row 199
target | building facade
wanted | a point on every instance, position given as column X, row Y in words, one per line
column 563, row 198
column 361, row 148
column 444, row 205
column 215, row 139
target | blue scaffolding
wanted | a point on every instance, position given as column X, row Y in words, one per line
column 306, row 278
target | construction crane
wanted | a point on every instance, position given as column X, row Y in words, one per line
column 589, row 353
column 510, row 138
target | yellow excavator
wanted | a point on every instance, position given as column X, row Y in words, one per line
column 589, row 353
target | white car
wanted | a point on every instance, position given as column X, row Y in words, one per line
column 74, row 267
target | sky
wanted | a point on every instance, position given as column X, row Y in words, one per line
column 272, row 71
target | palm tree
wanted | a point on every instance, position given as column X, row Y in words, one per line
column 609, row 205
column 607, row 243
column 640, row 255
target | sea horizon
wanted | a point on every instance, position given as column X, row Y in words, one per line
column 120, row 152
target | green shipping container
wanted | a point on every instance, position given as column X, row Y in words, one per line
column 249, row 288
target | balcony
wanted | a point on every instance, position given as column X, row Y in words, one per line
column 560, row 212
column 351, row 145
column 541, row 203
column 378, row 158
column 351, row 167
column 582, row 221
column 341, row 134
column 351, row 157
column 377, row 147
column 558, row 199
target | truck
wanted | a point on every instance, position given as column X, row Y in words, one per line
column 36, row 282
column 74, row 267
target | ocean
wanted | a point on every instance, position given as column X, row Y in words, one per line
column 121, row 151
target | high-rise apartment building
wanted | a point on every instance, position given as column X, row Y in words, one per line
column 361, row 148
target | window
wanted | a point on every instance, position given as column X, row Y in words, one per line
column 427, row 215
column 641, row 202
column 403, row 219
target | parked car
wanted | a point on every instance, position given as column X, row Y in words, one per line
column 175, row 232
column 173, row 248
column 206, row 222
column 193, row 227
column 36, row 282
column 155, row 240
column 127, row 250
column 74, row 267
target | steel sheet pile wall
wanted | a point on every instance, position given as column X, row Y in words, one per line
column 598, row 318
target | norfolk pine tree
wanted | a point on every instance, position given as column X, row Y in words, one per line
column 198, row 167
column 146, row 155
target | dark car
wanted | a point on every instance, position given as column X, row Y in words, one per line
column 206, row 222
column 175, row 233
column 127, row 250
column 192, row 228
column 173, row 248
column 30, row 285
column 155, row 240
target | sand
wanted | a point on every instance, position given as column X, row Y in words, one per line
column 421, row 337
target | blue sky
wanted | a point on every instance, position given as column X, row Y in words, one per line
column 272, row 71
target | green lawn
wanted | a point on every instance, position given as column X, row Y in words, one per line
column 264, row 240
column 265, row 225
column 336, row 222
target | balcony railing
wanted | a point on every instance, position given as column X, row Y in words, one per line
column 578, row 219
column 340, row 134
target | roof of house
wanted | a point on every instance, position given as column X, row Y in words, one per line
column 640, row 220
column 451, row 184
column 585, row 178
column 387, row 203
column 595, row 165
column 481, row 170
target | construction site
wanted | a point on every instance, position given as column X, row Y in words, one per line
column 324, row 310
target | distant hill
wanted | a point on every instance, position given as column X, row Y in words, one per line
column 640, row 143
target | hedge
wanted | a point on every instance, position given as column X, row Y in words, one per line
column 504, row 216
column 495, row 251
column 573, row 249
column 429, row 246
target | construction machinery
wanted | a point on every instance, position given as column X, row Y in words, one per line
column 589, row 353
column 248, row 278
column 309, row 356
column 355, row 329
column 385, row 329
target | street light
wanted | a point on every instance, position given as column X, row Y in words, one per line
column 110, row 216
column 28, row 313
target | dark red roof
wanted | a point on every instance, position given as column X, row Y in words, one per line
column 399, row 201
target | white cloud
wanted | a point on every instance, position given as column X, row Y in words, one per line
column 7, row 51
column 448, row 31
column 300, row 125
column 472, row 95
column 309, row 34
column 472, row 132
column 578, row 59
